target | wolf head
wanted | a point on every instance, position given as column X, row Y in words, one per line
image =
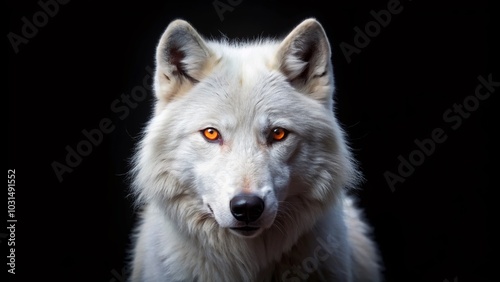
column 243, row 138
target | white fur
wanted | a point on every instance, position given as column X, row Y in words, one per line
column 185, row 183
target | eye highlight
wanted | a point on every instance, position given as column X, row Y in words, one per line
column 211, row 134
column 278, row 134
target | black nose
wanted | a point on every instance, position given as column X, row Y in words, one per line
column 246, row 207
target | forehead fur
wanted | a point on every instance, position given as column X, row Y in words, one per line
column 243, row 74
column 245, row 60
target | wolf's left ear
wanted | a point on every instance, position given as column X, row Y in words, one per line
column 181, row 57
column 304, row 58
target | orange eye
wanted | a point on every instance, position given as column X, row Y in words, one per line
column 211, row 134
column 278, row 134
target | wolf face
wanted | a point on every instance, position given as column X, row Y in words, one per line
column 243, row 134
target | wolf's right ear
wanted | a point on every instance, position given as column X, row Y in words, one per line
column 181, row 57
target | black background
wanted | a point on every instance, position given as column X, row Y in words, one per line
column 436, row 225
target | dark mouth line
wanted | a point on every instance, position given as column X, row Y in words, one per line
column 244, row 228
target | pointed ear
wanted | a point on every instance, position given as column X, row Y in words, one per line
column 181, row 57
column 304, row 58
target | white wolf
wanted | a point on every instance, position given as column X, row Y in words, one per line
column 243, row 170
